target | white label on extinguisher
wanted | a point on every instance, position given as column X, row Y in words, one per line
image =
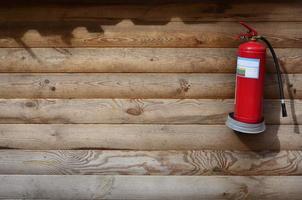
column 248, row 67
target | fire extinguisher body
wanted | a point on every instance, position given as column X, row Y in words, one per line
column 250, row 76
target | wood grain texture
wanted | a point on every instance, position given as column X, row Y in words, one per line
column 96, row 162
column 132, row 85
column 150, row 187
column 152, row 11
column 145, row 137
column 112, row 111
column 187, row 60
column 126, row 34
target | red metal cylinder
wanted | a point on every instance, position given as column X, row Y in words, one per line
column 250, row 82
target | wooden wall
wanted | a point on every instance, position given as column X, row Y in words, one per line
column 112, row 91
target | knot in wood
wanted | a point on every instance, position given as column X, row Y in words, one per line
column 135, row 111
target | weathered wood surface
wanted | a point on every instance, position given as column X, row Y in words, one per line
column 150, row 187
column 163, row 111
column 145, row 137
column 96, row 162
column 126, row 34
column 152, row 11
column 133, row 85
column 204, row 60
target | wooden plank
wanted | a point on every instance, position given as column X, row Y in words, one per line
column 116, row 111
column 150, row 187
column 145, row 137
column 187, row 60
column 126, row 34
column 152, row 11
column 203, row 162
column 132, row 85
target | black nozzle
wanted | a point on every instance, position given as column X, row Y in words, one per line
column 283, row 108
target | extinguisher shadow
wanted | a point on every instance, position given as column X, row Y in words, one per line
column 257, row 143
column 292, row 106
column 269, row 139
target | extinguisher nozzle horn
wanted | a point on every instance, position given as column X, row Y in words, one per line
column 283, row 108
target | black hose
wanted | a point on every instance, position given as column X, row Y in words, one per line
column 281, row 92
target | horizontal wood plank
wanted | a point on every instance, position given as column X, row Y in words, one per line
column 112, row 111
column 203, row 162
column 188, row 60
column 152, row 11
column 126, row 34
column 132, row 85
column 150, row 187
column 145, row 137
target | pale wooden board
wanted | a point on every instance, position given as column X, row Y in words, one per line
column 205, row 60
column 114, row 162
column 146, row 137
column 150, row 187
column 126, row 34
column 135, row 85
column 153, row 11
column 116, row 111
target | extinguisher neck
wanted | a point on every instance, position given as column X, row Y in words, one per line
column 255, row 38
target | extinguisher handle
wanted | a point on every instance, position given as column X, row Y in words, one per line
column 250, row 33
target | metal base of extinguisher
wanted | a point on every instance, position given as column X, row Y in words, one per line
column 244, row 127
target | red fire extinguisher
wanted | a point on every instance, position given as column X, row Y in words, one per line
column 250, row 74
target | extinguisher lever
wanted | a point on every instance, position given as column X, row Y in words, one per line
column 249, row 34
